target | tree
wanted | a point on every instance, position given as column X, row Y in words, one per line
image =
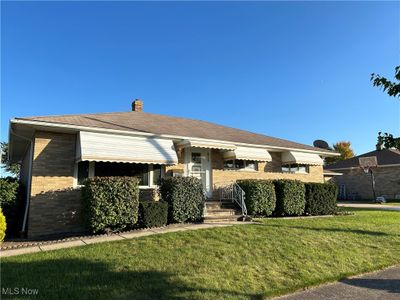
column 344, row 148
column 387, row 141
column 5, row 162
column 390, row 87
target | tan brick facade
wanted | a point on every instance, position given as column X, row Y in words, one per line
column 359, row 186
column 54, row 206
column 270, row 170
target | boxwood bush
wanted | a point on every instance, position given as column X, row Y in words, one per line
column 260, row 196
column 110, row 203
column 321, row 198
column 290, row 197
column 153, row 213
column 185, row 198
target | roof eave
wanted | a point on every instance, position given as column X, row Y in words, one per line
column 70, row 127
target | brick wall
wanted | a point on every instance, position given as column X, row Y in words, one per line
column 387, row 182
column 269, row 170
column 54, row 206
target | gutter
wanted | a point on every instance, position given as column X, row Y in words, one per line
column 353, row 168
column 138, row 133
column 332, row 173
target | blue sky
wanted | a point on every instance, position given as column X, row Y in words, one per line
column 294, row 70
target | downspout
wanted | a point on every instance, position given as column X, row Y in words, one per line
column 28, row 188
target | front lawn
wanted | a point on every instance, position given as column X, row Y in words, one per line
column 242, row 262
column 392, row 203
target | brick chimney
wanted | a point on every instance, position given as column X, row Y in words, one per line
column 137, row 105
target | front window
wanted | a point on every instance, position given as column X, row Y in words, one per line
column 196, row 158
column 83, row 171
column 157, row 172
column 229, row 164
column 240, row 164
column 295, row 168
column 140, row 171
column 148, row 175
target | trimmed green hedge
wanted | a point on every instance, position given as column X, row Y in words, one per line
column 110, row 203
column 9, row 202
column 260, row 196
column 153, row 213
column 321, row 198
column 185, row 198
column 290, row 197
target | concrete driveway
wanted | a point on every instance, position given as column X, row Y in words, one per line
column 370, row 205
column 380, row 285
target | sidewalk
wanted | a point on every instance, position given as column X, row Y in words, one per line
column 114, row 237
column 371, row 205
column 384, row 284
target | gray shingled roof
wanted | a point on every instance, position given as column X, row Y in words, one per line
column 162, row 124
column 384, row 157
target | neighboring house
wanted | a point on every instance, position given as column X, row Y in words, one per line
column 58, row 152
column 330, row 175
column 355, row 184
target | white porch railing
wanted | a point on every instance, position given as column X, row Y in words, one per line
column 234, row 193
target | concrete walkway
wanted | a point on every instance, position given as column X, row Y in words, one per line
column 370, row 205
column 115, row 237
column 383, row 284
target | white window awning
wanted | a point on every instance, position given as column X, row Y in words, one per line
column 248, row 153
column 93, row 146
column 293, row 157
column 205, row 144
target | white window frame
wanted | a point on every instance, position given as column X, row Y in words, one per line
column 245, row 166
column 90, row 173
column 307, row 171
column 150, row 173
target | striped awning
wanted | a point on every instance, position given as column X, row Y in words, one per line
column 248, row 153
column 206, row 144
column 294, row 157
column 93, row 146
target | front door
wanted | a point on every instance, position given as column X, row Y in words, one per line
column 199, row 166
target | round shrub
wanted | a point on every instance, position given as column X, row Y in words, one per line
column 110, row 203
column 3, row 226
column 153, row 213
column 260, row 196
column 185, row 198
column 290, row 197
column 321, row 198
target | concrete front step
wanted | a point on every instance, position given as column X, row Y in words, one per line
column 220, row 212
column 220, row 204
column 219, row 219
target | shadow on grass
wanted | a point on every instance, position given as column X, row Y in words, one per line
column 83, row 279
column 344, row 230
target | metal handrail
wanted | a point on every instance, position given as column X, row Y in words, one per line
column 236, row 194
column 205, row 197
column 239, row 196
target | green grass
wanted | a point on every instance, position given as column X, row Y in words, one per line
column 274, row 257
column 389, row 202
column 392, row 203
